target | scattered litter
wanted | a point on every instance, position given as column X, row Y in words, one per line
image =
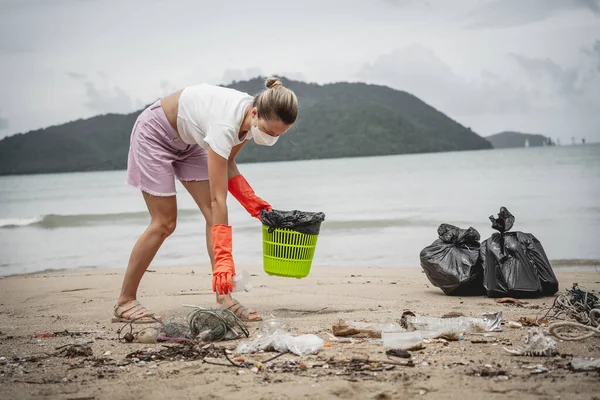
column 532, row 321
column 535, row 344
column 283, row 342
column 515, row 325
column 364, row 329
column 107, row 353
column 510, row 300
column 147, row 335
column 397, row 353
column 582, row 364
column 487, row 371
column 536, row 369
column 453, row 314
column 269, row 326
column 74, row 350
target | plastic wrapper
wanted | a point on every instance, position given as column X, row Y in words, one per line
column 283, row 342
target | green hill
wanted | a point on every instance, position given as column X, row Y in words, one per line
column 336, row 120
column 508, row 139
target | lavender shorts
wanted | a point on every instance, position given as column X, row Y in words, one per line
column 157, row 155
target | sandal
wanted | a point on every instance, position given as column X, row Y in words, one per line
column 135, row 313
column 240, row 311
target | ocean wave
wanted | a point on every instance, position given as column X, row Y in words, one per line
column 52, row 221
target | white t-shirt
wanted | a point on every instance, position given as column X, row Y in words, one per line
column 212, row 115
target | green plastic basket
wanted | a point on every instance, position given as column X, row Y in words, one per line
column 288, row 253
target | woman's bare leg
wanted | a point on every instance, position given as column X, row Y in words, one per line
column 163, row 213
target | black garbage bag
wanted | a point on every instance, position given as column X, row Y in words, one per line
column 452, row 262
column 515, row 263
column 300, row 221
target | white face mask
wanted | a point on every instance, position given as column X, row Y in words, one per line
column 262, row 138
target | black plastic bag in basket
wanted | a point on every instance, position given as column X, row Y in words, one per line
column 452, row 262
column 515, row 263
column 301, row 221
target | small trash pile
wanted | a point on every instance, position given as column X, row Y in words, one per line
column 508, row 264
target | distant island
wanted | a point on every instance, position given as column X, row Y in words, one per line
column 336, row 120
column 509, row 139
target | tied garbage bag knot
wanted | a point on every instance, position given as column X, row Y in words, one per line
column 301, row 221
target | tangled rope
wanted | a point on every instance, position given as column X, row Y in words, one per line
column 215, row 324
column 560, row 329
column 577, row 304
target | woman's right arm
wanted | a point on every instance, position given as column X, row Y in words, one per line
column 224, row 268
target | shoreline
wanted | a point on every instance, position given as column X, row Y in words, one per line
column 575, row 265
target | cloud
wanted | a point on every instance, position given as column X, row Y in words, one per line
column 107, row 100
column 231, row 75
column 511, row 13
column 565, row 82
column 76, row 75
column 418, row 70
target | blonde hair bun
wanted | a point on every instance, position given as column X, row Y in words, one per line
column 272, row 82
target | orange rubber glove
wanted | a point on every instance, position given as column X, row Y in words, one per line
column 224, row 269
column 239, row 188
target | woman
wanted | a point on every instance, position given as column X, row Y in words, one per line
column 194, row 135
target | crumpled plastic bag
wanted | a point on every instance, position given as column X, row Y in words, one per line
column 283, row 342
column 301, row 221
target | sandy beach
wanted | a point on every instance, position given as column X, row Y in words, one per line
column 83, row 301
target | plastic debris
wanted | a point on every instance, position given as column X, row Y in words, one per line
column 582, row 364
column 403, row 340
column 454, row 326
column 535, row 344
column 364, row 329
column 283, row 342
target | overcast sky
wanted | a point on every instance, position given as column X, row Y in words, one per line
column 492, row 65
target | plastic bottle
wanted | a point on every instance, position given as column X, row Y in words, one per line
column 459, row 325
column 402, row 340
column 242, row 282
